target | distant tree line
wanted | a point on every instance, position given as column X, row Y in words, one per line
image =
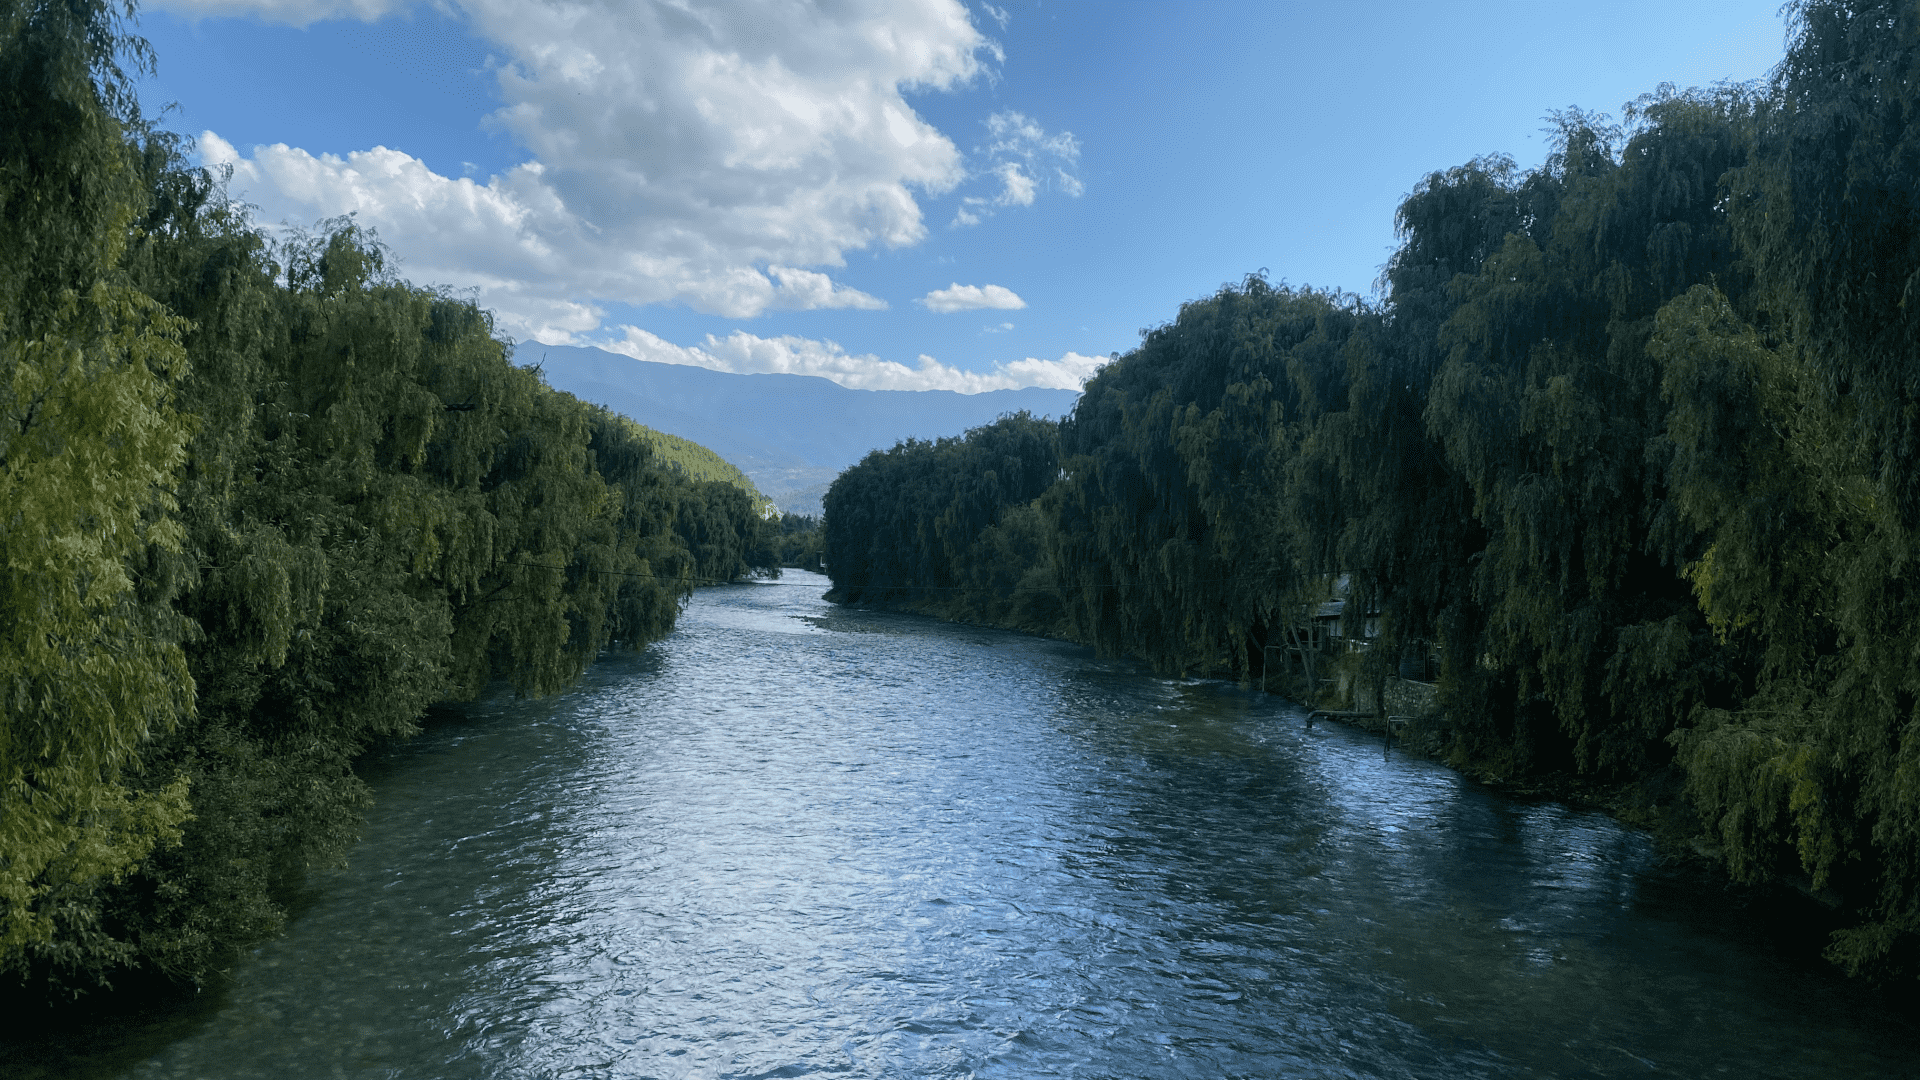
column 799, row 541
column 1631, row 440
column 260, row 504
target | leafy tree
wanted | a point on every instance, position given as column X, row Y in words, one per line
column 90, row 657
column 800, row 542
column 1795, row 430
column 1547, row 406
column 1168, row 537
column 277, row 525
column 906, row 525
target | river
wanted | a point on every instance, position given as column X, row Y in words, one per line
column 793, row 840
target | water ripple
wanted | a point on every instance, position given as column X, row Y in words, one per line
column 795, row 841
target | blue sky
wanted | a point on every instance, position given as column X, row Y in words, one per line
column 911, row 195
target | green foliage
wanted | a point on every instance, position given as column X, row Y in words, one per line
column 1547, row 405
column 1794, row 428
column 90, row 657
column 801, row 542
column 1168, row 541
column 910, row 525
column 725, row 533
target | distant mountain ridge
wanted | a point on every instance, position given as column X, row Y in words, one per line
column 791, row 434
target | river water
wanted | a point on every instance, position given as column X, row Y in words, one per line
column 793, row 840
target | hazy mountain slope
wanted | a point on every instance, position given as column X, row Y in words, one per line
column 792, row 434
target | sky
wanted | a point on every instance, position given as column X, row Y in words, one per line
column 916, row 194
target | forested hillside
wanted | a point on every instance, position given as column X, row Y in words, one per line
column 695, row 462
column 1631, row 440
column 263, row 503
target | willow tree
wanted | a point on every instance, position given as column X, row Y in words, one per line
column 948, row 526
column 1549, row 407
column 1797, row 455
column 90, row 660
column 1168, row 532
column 1371, row 494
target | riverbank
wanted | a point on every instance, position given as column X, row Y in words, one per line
column 1654, row 804
column 1648, row 803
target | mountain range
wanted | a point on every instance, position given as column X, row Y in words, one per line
column 791, row 434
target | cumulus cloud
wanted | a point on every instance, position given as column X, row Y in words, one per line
column 744, row 352
column 1070, row 372
column 958, row 297
column 808, row 289
column 1023, row 158
column 1017, row 187
column 706, row 156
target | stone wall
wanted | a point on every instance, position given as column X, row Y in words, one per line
column 1408, row 698
column 1405, row 697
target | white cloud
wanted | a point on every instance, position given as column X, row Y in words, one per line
column 1018, row 186
column 1070, row 372
column 744, row 352
column 714, row 156
column 1024, row 159
column 807, row 289
column 958, row 297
